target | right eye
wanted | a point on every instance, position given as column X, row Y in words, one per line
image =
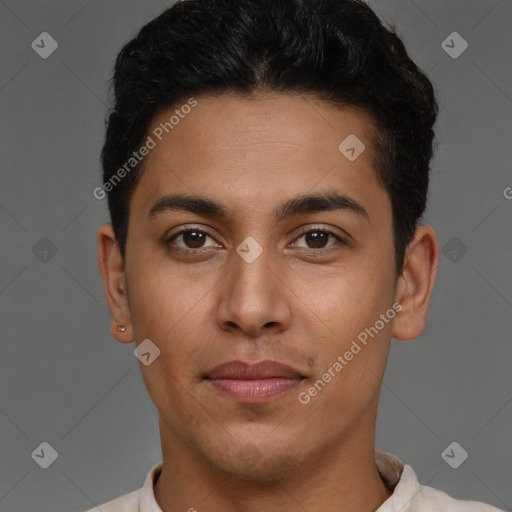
column 192, row 240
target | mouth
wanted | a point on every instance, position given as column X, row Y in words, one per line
column 259, row 382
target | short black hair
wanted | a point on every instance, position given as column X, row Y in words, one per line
column 337, row 50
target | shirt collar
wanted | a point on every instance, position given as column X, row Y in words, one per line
column 398, row 477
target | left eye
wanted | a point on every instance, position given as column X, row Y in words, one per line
column 318, row 238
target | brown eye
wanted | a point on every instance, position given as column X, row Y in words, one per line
column 190, row 239
column 318, row 239
column 193, row 239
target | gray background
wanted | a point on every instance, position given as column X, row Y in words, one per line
column 65, row 381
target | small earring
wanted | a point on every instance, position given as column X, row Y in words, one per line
column 121, row 328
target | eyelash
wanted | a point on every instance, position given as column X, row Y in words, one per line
column 201, row 250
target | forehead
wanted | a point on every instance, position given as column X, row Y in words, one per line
column 233, row 122
column 256, row 151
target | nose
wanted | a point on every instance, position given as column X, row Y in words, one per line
column 254, row 297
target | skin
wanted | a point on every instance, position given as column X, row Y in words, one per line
column 287, row 305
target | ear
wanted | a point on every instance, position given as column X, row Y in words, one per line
column 113, row 275
column 415, row 284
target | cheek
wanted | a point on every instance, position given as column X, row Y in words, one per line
column 350, row 308
column 173, row 312
column 343, row 400
column 346, row 300
column 179, row 336
column 162, row 299
column 348, row 376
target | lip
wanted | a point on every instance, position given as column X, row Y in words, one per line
column 258, row 382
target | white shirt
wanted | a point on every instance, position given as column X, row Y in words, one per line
column 408, row 495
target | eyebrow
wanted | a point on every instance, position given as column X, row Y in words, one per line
column 312, row 203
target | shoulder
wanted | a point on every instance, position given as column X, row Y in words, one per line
column 429, row 499
column 125, row 503
column 435, row 500
column 141, row 499
column 408, row 495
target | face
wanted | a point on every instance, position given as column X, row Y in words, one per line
column 262, row 275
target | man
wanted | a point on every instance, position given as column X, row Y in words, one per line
column 266, row 164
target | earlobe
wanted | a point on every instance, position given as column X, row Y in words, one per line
column 122, row 333
column 416, row 283
column 112, row 272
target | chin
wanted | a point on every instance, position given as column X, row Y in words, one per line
column 250, row 462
